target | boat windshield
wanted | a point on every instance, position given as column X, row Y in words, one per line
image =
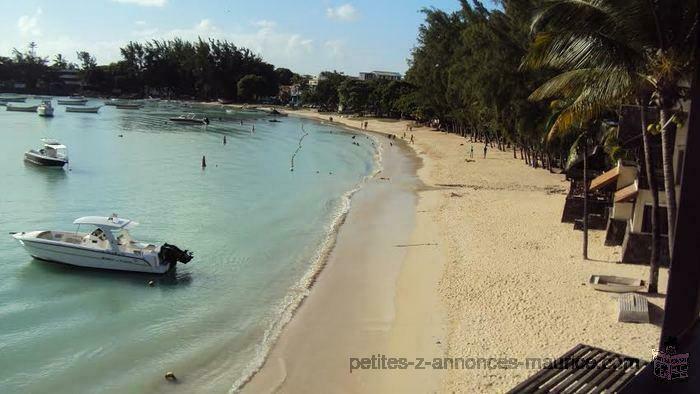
column 52, row 151
column 122, row 236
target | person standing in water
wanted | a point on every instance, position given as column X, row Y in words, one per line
column 224, row 140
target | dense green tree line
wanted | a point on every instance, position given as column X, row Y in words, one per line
column 170, row 68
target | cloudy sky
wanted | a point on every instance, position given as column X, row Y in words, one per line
column 307, row 36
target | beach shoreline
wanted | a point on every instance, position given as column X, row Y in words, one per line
column 370, row 268
column 506, row 275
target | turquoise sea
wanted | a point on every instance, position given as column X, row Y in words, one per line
column 258, row 232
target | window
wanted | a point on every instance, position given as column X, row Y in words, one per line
column 662, row 222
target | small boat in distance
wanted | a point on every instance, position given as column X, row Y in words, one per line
column 190, row 119
column 129, row 106
column 115, row 102
column 108, row 246
column 18, row 108
column 616, row 284
column 53, row 154
column 72, row 102
column 45, row 109
column 84, row 110
column 12, row 99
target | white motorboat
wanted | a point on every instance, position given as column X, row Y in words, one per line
column 53, row 154
column 45, row 108
column 108, row 246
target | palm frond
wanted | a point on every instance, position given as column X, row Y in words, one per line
column 567, row 50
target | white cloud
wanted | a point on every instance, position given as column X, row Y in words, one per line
column 335, row 48
column 140, row 23
column 144, row 3
column 265, row 24
column 29, row 25
column 345, row 12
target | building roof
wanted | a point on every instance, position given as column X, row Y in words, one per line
column 627, row 193
column 108, row 222
column 391, row 73
column 605, row 179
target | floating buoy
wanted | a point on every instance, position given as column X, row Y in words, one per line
column 170, row 376
column 204, row 161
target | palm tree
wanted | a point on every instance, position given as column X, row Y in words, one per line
column 611, row 53
column 616, row 48
column 559, row 109
column 651, row 177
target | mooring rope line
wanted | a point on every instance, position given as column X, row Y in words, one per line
column 298, row 147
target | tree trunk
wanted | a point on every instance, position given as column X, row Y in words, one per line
column 649, row 164
column 669, row 178
column 585, row 195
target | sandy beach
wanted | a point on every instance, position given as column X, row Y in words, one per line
column 491, row 272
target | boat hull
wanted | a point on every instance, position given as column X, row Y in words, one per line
column 22, row 109
column 13, row 99
column 83, row 110
column 88, row 258
column 72, row 102
column 44, row 161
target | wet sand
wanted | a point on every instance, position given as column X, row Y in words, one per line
column 352, row 310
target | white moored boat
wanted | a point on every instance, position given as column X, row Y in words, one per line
column 72, row 101
column 45, row 108
column 108, row 246
column 84, row 110
column 53, row 154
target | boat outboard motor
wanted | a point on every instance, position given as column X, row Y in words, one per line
column 172, row 254
column 206, row 120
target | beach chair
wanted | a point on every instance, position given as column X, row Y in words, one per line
column 586, row 369
column 633, row 308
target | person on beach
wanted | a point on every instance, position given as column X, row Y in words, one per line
column 412, row 140
column 366, row 123
column 485, row 149
column 471, row 154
